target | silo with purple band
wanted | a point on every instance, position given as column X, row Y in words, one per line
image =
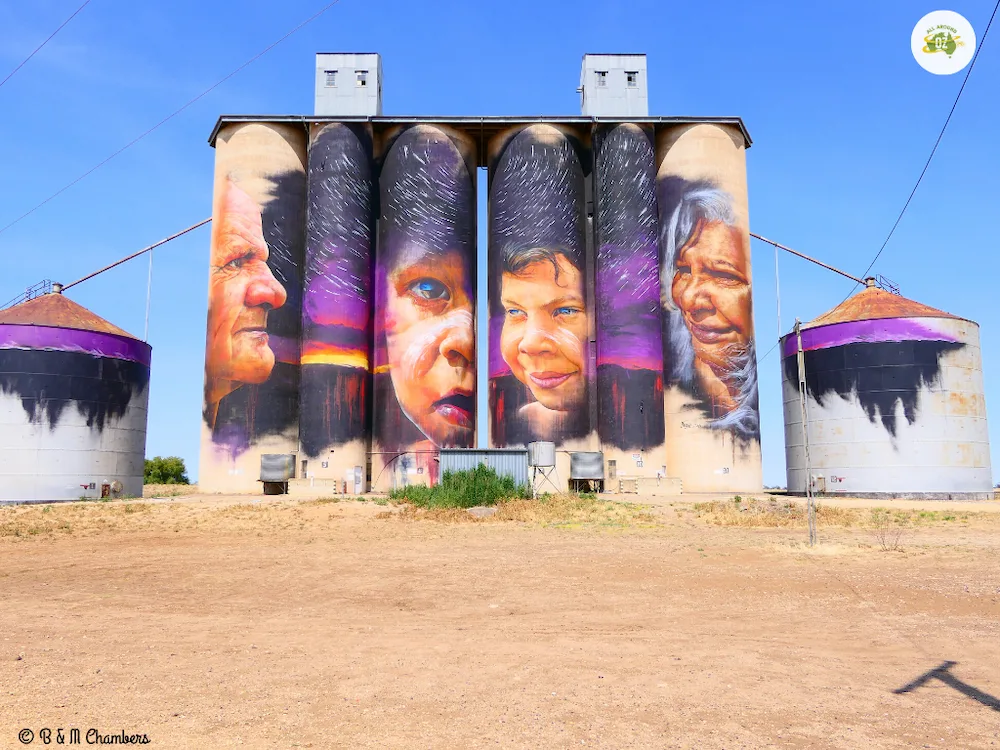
column 894, row 403
column 73, row 404
column 627, row 294
column 335, row 380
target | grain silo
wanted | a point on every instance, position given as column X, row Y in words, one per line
column 894, row 402
column 73, row 403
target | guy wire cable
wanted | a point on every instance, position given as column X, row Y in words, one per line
column 906, row 205
column 169, row 117
column 47, row 40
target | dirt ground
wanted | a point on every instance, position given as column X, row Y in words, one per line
column 211, row 622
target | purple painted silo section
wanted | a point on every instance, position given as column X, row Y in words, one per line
column 73, row 403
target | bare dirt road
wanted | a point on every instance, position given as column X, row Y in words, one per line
column 311, row 624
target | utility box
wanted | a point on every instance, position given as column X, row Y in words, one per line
column 348, row 84
column 277, row 467
column 586, row 465
column 614, row 86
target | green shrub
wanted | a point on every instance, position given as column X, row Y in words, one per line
column 463, row 489
column 168, row 470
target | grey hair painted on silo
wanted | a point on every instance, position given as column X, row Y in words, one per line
column 685, row 207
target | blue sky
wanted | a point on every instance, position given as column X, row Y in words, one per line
column 841, row 116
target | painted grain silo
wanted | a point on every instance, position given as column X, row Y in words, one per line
column 711, row 406
column 894, row 402
column 73, row 404
column 254, row 321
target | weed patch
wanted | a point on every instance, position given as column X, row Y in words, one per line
column 462, row 489
column 564, row 509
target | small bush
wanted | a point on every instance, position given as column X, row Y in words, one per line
column 463, row 489
column 887, row 530
column 168, row 470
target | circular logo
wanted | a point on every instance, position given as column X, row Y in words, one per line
column 943, row 42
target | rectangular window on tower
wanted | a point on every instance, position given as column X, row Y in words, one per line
column 602, row 78
column 331, row 78
column 362, row 78
column 632, row 78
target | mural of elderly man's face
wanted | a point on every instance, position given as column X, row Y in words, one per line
column 544, row 333
column 242, row 290
column 711, row 286
column 431, row 344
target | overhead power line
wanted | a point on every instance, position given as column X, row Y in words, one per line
column 172, row 115
column 944, row 127
column 47, row 40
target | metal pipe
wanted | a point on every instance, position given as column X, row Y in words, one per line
column 149, row 292
column 136, row 255
column 806, row 257
column 777, row 290
column 810, row 501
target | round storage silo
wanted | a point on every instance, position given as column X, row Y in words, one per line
column 73, row 404
column 711, row 406
column 894, row 402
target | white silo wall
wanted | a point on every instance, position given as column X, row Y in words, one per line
column 61, row 462
column 931, row 365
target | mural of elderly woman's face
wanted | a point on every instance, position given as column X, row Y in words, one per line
column 430, row 338
column 544, row 332
column 711, row 286
column 242, row 290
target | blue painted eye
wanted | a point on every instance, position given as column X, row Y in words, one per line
column 429, row 289
column 514, row 312
column 566, row 310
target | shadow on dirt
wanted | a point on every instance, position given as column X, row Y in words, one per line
column 943, row 674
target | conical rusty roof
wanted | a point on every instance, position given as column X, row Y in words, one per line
column 58, row 311
column 872, row 303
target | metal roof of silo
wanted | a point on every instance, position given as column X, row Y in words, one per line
column 872, row 303
column 56, row 311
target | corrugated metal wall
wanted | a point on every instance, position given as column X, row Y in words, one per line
column 512, row 462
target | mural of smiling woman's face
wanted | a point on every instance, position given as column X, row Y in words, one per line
column 430, row 340
column 711, row 287
column 544, row 332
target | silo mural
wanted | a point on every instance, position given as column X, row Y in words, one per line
column 425, row 377
column 711, row 406
column 335, row 389
column 73, row 404
column 894, row 402
column 540, row 375
column 254, row 302
column 627, row 293
column 342, row 300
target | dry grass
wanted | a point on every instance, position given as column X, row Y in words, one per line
column 94, row 518
column 168, row 490
column 752, row 512
column 563, row 509
column 70, row 518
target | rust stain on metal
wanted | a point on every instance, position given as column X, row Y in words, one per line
column 965, row 404
column 58, row 311
column 874, row 304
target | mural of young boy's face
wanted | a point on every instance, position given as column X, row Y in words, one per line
column 544, row 334
column 430, row 338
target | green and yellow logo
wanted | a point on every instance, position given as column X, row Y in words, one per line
column 943, row 42
column 942, row 39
